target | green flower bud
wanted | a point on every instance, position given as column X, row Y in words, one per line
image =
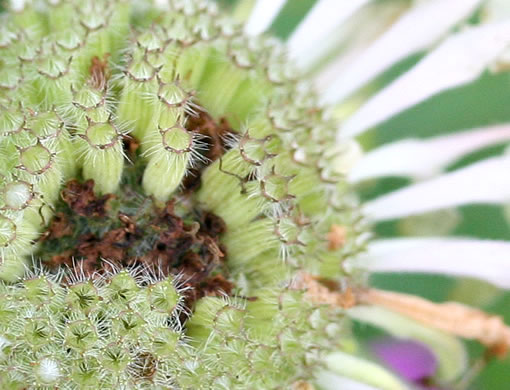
column 169, row 158
column 174, row 177
column 101, row 147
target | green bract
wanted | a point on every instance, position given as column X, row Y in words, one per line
column 77, row 81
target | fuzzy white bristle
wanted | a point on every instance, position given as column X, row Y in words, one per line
column 48, row 370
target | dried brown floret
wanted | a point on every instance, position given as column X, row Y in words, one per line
column 215, row 137
column 99, row 72
column 82, row 200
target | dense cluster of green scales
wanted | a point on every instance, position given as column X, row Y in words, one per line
column 76, row 77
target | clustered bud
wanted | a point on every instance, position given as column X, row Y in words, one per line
column 103, row 333
column 81, row 80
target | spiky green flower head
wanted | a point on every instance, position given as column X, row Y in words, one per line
column 169, row 143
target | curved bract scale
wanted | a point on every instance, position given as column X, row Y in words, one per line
column 165, row 140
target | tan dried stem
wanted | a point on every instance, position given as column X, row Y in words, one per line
column 319, row 293
column 450, row 317
column 302, row 385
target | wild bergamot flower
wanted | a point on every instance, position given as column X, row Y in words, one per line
column 177, row 208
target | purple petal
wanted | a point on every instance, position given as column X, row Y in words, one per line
column 410, row 359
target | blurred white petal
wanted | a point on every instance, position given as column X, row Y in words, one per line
column 460, row 59
column 498, row 10
column 482, row 182
column 329, row 381
column 448, row 350
column 319, row 24
column 480, row 259
column 424, row 158
column 376, row 18
column 262, row 16
column 417, row 30
column 356, row 368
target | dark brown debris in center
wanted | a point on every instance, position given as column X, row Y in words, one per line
column 127, row 230
column 81, row 199
column 159, row 239
column 215, row 137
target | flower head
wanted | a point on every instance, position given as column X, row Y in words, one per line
column 188, row 198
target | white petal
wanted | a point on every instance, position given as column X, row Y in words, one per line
column 482, row 182
column 460, row 59
column 480, row 259
column 263, row 14
column 356, row 368
column 329, row 381
column 425, row 158
column 376, row 19
column 498, row 10
column 448, row 350
column 417, row 30
column 322, row 20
